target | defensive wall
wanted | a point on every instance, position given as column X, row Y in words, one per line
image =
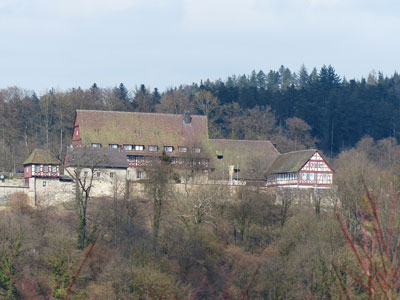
column 52, row 191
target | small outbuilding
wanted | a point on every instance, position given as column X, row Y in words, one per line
column 41, row 164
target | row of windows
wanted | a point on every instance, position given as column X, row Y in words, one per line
column 152, row 148
column 180, row 160
column 285, row 176
column 312, row 176
column 315, row 165
column 46, row 169
column 174, row 160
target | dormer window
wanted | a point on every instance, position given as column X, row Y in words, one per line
column 182, row 149
column 128, row 147
column 196, row 150
column 96, row 145
column 153, row 148
column 139, row 147
column 53, row 169
column 114, row 146
column 168, row 149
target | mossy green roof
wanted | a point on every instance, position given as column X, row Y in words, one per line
column 251, row 157
column 40, row 156
column 291, row 162
column 135, row 128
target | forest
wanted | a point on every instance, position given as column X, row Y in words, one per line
column 210, row 242
column 318, row 107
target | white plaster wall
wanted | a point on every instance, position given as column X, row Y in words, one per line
column 103, row 184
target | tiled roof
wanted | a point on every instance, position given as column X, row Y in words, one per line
column 97, row 157
column 134, row 128
column 251, row 157
column 291, row 161
column 40, row 156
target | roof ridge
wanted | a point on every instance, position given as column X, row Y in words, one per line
column 297, row 151
column 242, row 140
column 134, row 112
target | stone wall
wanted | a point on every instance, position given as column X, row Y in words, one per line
column 12, row 182
column 50, row 191
column 7, row 191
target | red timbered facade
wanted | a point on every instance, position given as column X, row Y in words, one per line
column 41, row 164
column 307, row 168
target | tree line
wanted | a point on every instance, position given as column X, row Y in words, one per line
column 293, row 109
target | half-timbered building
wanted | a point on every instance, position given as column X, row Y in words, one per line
column 41, row 164
column 305, row 168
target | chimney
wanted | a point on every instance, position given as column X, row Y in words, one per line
column 187, row 119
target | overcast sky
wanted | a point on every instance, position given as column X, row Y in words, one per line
column 71, row 43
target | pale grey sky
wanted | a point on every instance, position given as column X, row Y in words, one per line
column 65, row 44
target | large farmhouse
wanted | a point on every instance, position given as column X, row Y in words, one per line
column 145, row 136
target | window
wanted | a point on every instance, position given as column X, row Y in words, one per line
column 148, row 160
column 46, row 169
column 37, row 168
column 98, row 174
column 168, row 149
column 77, row 132
column 96, row 145
column 139, row 147
column 128, row 147
column 54, row 169
column 220, row 156
column 203, row 162
column 180, row 160
column 131, row 158
column 153, row 148
column 85, row 174
column 114, row 146
column 112, row 175
column 196, row 150
column 44, row 183
column 139, row 174
column 173, row 160
column 140, row 159
column 182, row 149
